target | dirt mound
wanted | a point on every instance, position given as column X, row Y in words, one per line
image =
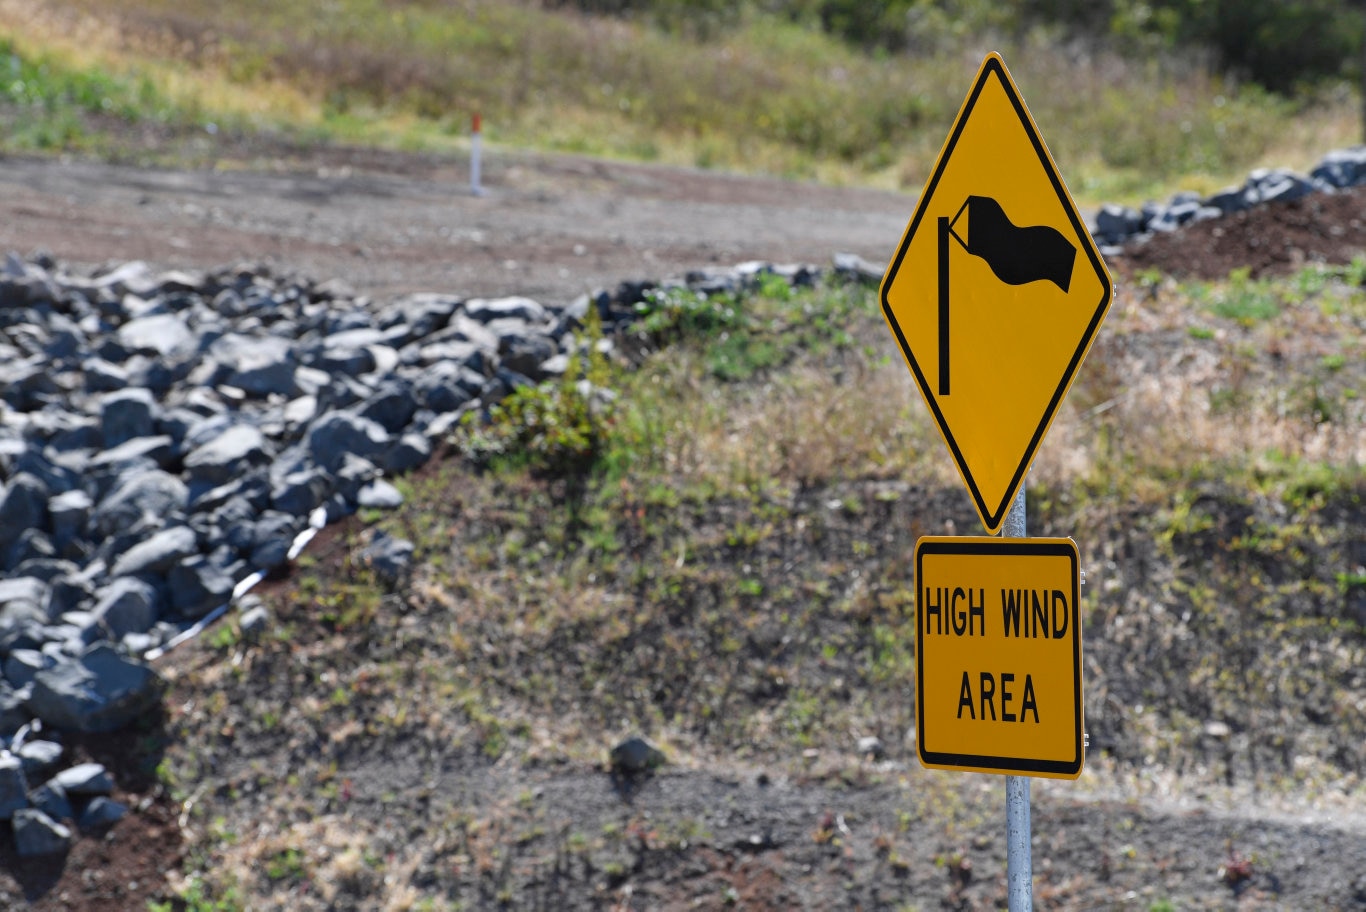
column 1275, row 239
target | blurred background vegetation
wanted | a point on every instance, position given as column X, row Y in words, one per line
column 1135, row 98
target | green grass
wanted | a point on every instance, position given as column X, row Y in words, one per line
column 1242, row 299
column 763, row 94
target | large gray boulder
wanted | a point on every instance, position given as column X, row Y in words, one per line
column 22, row 599
column 1269, row 185
column 127, row 414
column 156, row 493
column 101, row 691
column 23, row 506
column 259, row 365
column 392, row 405
column 23, row 665
column 85, row 779
column 162, row 335
column 198, row 586
column 337, row 434
column 1342, row 167
column 233, row 452
column 156, row 555
column 127, row 605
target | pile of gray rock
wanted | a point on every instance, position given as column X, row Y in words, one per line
column 1119, row 225
column 167, row 439
column 40, row 815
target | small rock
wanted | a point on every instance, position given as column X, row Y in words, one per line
column 134, row 495
column 157, row 554
column 391, row 405
column 854, row 267
column 636, row 755
column 871, row 746
column 35, row 833
column 1217, row 729
column 38, row 757
column 226, row 456
column 23, row 505
column 13, row 786
column 198, row 586
column 127, row 415
column 163, row 335
column 486, row 310
column 388, row 556
column 85, row 779
column 127, row 605
column 23, row 665
column 51, row 799
column 379, row 495
column 262, row 366
column 101, row 813
column 24, row 595
column 411, row 451
column 254, row 621
column 336, row 434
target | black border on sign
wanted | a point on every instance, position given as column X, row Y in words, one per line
column 1037, row 547
column 993, row 515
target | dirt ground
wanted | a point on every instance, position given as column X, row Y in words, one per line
column 1270, row 240
column 835, row 838
column 547, row 227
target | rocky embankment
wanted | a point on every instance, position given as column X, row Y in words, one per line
column 1116, row 225
column 168, row 439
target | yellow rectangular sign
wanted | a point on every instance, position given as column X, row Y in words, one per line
column 998, row 655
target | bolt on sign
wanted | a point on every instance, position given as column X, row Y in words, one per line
column 998, row 648
column 996, row 291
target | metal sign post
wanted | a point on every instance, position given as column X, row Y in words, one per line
column 1019, row 858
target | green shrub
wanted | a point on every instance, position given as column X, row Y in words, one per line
column 559, row 428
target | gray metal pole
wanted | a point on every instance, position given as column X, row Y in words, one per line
column 1019, row 861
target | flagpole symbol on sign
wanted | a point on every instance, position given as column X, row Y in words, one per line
column 1016, row 255
column 1027, row 296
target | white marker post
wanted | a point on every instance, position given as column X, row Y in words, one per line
column 1019, row 855
column 475, row 124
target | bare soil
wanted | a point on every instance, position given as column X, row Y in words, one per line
column 1276, row 239
column 387, row 223
column 393, row 806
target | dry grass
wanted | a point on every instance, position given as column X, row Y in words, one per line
column 765, row 96
column 742, row 594
column 1216, row 392
column 1168, row 390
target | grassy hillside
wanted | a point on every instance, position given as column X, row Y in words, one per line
column 720, row 559
column 154, row 78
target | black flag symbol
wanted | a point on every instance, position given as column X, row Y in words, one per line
column 1017, row 255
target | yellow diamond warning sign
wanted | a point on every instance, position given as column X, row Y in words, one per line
column 998, row 656
column 996, row 291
